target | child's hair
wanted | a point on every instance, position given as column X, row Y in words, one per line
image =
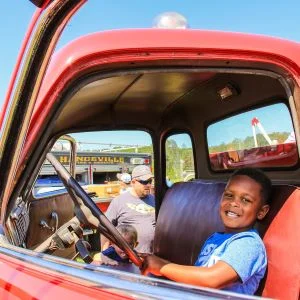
column 260, row 178
column 129, row 230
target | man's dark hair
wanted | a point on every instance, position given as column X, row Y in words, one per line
column 261, row 178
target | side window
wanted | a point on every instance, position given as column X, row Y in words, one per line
column 48, row 181
column 179, row 159
column 261, row 138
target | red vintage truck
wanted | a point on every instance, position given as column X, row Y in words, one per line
column 165, row 83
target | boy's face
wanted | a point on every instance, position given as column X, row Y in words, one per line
column 131, row 242
column 242, row 204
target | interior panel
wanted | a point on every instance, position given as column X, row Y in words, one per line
column 42, row 219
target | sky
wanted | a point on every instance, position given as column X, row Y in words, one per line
column 276, row 18
column 240, row 126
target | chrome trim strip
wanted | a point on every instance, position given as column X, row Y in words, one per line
column 73, row 153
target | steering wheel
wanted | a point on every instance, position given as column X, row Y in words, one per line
column 88, row 213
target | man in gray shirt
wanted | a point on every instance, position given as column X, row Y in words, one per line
column 137, row 208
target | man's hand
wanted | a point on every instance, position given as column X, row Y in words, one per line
column 153, row 264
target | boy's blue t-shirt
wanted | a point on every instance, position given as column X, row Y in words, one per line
column 244, row 252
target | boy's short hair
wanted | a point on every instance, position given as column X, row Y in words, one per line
column 260, row 177
column 126, row 229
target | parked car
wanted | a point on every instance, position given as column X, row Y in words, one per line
column 207, row 86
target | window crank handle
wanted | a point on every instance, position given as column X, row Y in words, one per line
column 44, row 224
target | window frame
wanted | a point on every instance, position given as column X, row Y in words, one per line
column 164, row 153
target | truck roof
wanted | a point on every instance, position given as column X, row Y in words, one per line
column 106, row 43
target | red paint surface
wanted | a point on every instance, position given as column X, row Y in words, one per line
column 24, row 281
column 103, row 205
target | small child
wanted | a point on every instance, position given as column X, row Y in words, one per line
column 233, row 260
column 113, row 255
column 125, row 182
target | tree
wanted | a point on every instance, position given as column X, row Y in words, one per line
column 248, row 142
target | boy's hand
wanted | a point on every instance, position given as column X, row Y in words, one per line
column 153, row 264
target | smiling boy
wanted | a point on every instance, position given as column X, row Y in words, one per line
column 235, row 259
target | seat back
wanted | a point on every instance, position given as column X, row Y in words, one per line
column 280, row 231
column 189, row 214
column 180, row 230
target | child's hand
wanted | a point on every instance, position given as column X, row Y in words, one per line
column 100, row 259
column 153, row 264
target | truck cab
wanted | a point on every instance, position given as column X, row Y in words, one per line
column 195, row 94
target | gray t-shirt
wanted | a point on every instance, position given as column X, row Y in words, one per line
column 140, row 213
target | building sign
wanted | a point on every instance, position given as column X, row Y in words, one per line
column 96, row 160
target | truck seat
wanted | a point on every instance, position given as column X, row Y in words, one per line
column 190, row 213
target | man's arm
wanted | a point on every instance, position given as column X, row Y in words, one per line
column 217, row 276
column 111, row 214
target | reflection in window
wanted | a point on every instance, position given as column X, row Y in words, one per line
column 254, row 138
